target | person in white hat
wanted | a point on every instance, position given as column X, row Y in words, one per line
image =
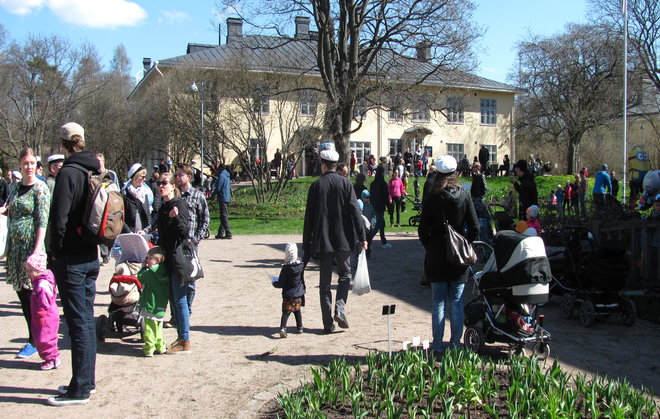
column 55, row 162
column 333, row 224
column 74, row 261
column 445, row 200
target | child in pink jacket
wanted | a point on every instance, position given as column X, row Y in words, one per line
column 396, row 193
column 45, row 320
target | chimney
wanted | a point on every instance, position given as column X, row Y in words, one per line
column 234, row 29
column 146, row 64
column 424, row 51
column 302, row 27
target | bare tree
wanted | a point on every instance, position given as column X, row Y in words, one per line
column 573, row 83
column 643, row 30
column 43, row 82
column 364, row 48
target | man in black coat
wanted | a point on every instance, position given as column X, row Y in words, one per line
column 527, row 194
column 484, row 156
column 333, row 224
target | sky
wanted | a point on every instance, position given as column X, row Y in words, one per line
column 161, row 29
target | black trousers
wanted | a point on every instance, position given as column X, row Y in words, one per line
column 24, row 298
column 223, row 229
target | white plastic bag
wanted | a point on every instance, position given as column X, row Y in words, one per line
column 361, row 281
column 3, row 236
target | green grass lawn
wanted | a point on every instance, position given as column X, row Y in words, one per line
column 286, row 215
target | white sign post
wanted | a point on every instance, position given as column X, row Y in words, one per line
column 389, row 311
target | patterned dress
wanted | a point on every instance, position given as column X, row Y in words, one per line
column 26, row 213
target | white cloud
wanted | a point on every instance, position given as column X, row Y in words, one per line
column 21, row 7
column 94, row 14
column 174, row 16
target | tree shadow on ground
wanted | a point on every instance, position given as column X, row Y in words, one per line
column 293, row 360
column 6, row 390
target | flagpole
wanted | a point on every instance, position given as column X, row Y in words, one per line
column 625, row 98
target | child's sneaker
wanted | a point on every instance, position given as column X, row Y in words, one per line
column 148, row 354
column 283, row 333
column 50, row 364
column 387, row 246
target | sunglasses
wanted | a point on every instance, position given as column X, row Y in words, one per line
column 163, row 183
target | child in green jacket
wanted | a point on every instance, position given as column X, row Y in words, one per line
column 153, row 301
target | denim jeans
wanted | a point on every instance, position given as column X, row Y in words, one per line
column 76, row 281
column 443, row 293
column 180, row 307
column 325, row 294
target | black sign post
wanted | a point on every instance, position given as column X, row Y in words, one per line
column 389, row 311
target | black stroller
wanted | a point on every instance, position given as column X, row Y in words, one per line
column 417, row 207
column 514, row 280
column 590, row 275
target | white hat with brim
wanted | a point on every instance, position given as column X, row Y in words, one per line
column 16, row 174
column 445, row 164
column 134, row 169
column 54, row 158
column 329, row 155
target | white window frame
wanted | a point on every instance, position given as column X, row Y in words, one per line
column 421, row 114
column 261, row 102
column 362, row 150
column 396, row 146
column 308, row 104
column 455, row 111
column 255, row 148
column 456, row 150
column 488, row 111
column 492, row 154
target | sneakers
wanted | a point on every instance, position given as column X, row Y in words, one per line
column 387, row 246
column 283, row 333
column 64, row 400
column 27, row 351
column 340, row 318
column 169, row 324
column 51, row 364
column 63, row 389
column 299, row 331
column 148, row 354
column 181, row 347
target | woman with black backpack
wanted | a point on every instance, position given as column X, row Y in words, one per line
column 446, row 200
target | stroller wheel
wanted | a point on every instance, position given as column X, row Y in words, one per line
column 474, row 339
column 207, row 233
column 412, row 221
column 629, row 313
column 102, row 327
column 541, row 350
column 567, row 305
column 587, row 313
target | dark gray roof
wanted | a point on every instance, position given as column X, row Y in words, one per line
column 287, row 55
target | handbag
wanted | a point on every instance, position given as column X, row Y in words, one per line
column 458, row 251
column 186, row 262
column 361, row 283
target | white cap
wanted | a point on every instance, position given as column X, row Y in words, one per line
column 134, row 169
column 55, row 158
column 445, row 164
column 531, row 231
column 16, row 174
column 329, row 155
column 290, row 253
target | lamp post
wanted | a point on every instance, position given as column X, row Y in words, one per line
column 195, row 88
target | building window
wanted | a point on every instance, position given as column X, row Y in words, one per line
column 396, row 146
column 492, row 154
column 307, row 103
column 488, row 111
column 455, row 110
column 394, row 115
column 362, row 150
column 261, row 102
column 421, row 114
column 457, row 151
column 360, row 109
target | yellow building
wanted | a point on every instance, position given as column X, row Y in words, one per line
column 453, row 112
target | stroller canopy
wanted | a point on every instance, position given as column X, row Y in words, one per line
column 133, row 248
column 521, row 259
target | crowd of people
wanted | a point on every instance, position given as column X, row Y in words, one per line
column 47, row 252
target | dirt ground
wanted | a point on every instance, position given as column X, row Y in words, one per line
column 239, row 362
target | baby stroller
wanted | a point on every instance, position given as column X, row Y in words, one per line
column 417, row 207
column 590, row 274
column 130, row 250
column 499, row 214
column 514, row 280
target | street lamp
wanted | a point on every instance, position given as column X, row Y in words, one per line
column 195, row 88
